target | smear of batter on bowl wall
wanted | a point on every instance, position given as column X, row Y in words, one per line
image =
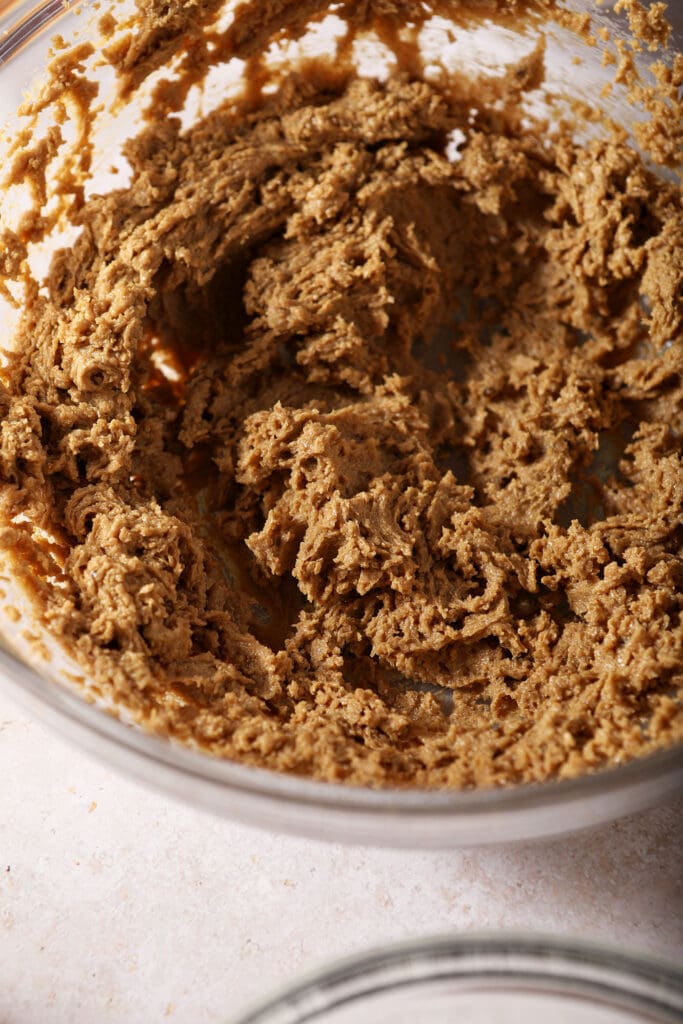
column 362, row 460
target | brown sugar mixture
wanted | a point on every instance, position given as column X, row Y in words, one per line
column 365, row 462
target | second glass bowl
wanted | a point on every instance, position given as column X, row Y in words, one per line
column 483, row 979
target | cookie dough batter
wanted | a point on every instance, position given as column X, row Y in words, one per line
column 365, row 463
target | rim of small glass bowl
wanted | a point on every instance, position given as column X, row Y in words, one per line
column 538, row 964
column 330, row 811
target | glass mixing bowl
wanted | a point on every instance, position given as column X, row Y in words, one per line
column 482, row 979
column 259, row 797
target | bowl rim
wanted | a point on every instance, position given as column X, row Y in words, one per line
column 587, row 969
column 22, row 20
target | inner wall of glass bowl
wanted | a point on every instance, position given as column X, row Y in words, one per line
column 439, row 1002
column 486, row 49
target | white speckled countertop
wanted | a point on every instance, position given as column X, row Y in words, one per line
column 120, row 905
